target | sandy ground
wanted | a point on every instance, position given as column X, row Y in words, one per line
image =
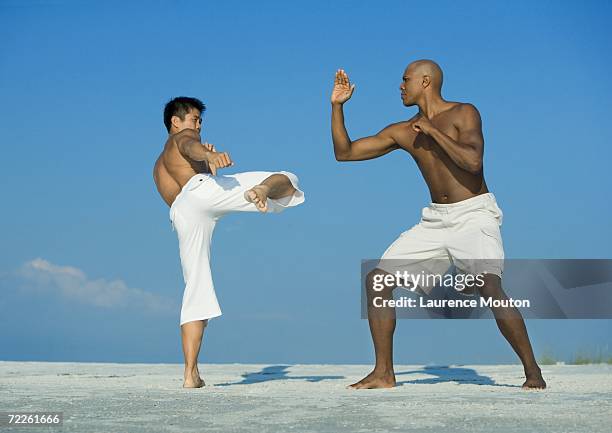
column 307, row 398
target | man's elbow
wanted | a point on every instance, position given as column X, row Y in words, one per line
column 342, row 157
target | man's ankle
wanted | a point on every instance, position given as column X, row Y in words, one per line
column 265, row 188
column 386, row 370
column 191, row 369
column 535, row 369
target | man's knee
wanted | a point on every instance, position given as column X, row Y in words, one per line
column 492, row 287
column 375, row 283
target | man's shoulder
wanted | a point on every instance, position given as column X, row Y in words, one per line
column 402, row 124
column 184, row 134
column 463, row 108
column 177, row 142
column 398, row 131
column 463, row 113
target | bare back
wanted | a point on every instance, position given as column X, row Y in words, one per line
column 447, row 182
column 172, row 169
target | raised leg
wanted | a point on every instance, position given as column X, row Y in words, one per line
column 382, row 326
column 512, row 326
column 191, row 333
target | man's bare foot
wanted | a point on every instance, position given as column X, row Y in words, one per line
column 193, row 380
column 534, row 380
column 258, row 195
column 376, row 380
column 198, row 383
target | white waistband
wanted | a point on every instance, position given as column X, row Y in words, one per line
column 481, row 198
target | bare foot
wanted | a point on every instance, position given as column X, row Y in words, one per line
column 534, row 380
column 199, row 383
column 193, row 380
column 376, row 380
column 258, row 195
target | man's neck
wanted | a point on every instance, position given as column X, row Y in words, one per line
column 430, row 105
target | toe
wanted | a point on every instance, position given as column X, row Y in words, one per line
column 251, row 196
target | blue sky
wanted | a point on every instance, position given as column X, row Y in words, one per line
column 89, row 267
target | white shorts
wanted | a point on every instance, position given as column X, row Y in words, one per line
column 194, row 213
column 465, row 234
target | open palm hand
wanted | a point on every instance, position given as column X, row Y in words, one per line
column 343, row 89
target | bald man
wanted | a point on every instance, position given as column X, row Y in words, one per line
column 461, row 225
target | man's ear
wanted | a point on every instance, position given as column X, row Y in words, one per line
column 426, row 81
column 175, row 121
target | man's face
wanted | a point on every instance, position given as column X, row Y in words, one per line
column 192, row 120
column 410, row 88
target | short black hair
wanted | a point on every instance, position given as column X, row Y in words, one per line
column 180, row 106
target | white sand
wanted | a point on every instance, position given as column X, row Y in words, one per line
column 307, row 398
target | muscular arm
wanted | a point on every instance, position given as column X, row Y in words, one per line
column 363, row 148
column 467, row 150
column 190, row 146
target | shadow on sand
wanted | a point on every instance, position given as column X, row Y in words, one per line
column 445, row 373
column 276, row 372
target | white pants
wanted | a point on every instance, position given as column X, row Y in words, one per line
column 194, row 213
column 465, row 234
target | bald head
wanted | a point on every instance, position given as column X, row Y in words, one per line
column 427, row 68
column 421, row 78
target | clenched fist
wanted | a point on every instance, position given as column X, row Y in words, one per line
column 209, row 146
column 422, row 124
column 217, row 160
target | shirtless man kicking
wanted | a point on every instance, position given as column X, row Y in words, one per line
column 462, row 222
column 186, row 177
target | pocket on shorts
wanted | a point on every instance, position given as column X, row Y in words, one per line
column 492, row 246
column 496, row 211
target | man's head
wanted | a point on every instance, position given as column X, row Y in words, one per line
column 420, row 78
column 182, row 113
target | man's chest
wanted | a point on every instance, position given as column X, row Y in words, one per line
column 420, row 144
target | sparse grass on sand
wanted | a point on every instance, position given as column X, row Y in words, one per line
column 582, row 357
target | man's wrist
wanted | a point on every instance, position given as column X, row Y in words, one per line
column 207, row 153
column 430, row 130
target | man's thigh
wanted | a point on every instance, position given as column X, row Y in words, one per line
column 418, row 251
column 476, row 245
